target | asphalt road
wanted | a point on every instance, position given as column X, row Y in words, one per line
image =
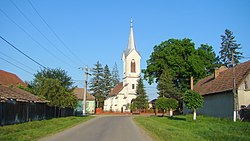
column 103, row 128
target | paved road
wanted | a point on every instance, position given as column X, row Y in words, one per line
column 103, row 128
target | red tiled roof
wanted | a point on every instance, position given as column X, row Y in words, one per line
column 224, row 81
column 116, row 89
column 7, row 78
column 17, row 94
column 79, row 94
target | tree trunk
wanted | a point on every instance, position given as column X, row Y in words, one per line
column 163, row 112
column 194, row 114
column 171, row 113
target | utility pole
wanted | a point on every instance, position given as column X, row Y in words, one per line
column 85, row 92
column 234, row 89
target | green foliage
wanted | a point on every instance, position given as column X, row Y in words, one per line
column 229, row 45
column 166, row 103
column 115, row 78
column 55, row 86
column 141, row 101
column 35, row 130
column 166, row 87
column 204, row 129
column 107, row 81
column 182, row 60
column 193, row 100
column 208, row 58
column 28, row 89
column 97, row 84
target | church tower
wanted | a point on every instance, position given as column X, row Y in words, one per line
column 131, row 65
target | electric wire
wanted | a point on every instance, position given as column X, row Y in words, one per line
column 52, row 44
column 15, row 65
column 17, row 61
column 33, row 39
column 22, row 52
column 55, row 34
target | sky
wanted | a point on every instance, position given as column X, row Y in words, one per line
column 80, row 33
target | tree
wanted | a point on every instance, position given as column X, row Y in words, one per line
column 182, row 59
column 193, row 100
column 229, row 46
column 107, row 81
column 166, row 87
column 96, row 84
column 208, row 57
column 164, row 104
column 115, row 78
column 161, row 103
column 141, row 101
column 55, row 86
column 172, row 104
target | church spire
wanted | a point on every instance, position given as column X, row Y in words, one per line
column 131, row 40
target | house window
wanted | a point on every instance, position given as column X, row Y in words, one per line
column 133, row 86
column 133, row 65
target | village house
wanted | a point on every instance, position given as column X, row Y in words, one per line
column 90, row 101
column 217, row 91
column 17, row 105
column 121, row 96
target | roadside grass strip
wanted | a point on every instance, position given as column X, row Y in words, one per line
column 184, row 128
column 34, row 130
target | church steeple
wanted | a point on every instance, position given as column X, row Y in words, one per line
column 131, row 40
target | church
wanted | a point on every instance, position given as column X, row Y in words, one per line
column 122, row 94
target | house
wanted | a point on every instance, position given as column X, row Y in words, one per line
column 217, row 91
column 17, row 105
column 121, row 96
column 7, row 79
column 90, row 101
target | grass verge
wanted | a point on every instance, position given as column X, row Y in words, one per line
column 34, row 130
column 184, row 128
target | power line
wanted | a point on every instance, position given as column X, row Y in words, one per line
column 22, row 52
column 40, row 31
column 51, row 29
column 32, row 37
column 16, row 66
column 18, row 61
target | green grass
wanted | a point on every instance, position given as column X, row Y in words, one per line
column 184, row 128
column 37, row 129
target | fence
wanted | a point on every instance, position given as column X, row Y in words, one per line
column 12, row 112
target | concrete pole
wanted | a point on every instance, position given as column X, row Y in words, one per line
column 85, row 92
column 234, row 89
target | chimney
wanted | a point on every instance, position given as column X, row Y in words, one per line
column 192, row 83
column 217, row 71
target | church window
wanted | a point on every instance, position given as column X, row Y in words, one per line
column 133, row 65
column 133, row 86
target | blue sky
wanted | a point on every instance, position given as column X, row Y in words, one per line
column 99, row 30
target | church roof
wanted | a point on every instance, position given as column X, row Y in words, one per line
column 131, row 41
column 116, row 89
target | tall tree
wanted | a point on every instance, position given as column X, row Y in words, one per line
column 208, row 57
column 229, row 46
column 96, row 84
column 55, row 86
column 166, row 87
column 107, row 81
column 182, row 59
column 115, row 76
column 141, row 101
